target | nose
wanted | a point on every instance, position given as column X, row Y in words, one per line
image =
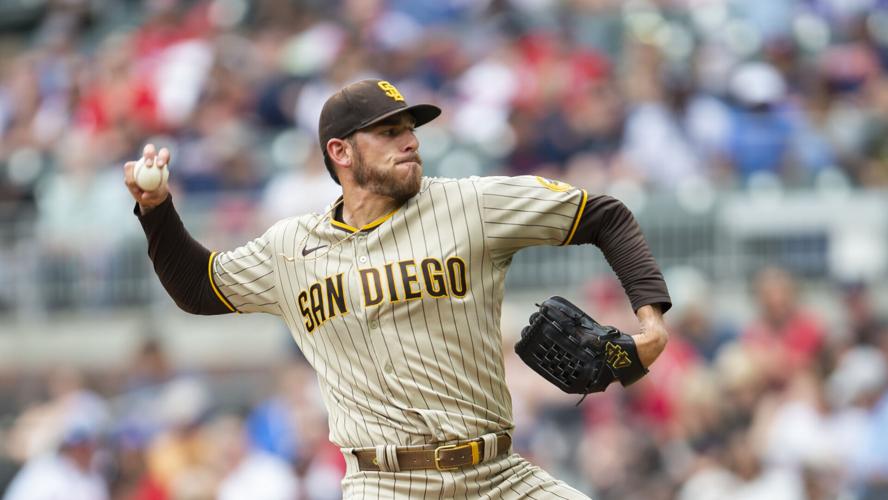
column 411, row 143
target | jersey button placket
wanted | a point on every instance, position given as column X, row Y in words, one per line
column 381, row 356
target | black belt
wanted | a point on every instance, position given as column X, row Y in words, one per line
column 445, row 457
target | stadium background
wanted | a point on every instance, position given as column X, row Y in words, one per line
column 750, row 137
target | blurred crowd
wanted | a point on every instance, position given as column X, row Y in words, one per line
column 661, row 95
column 654, row 93
column 157, row 432
column 785, row 404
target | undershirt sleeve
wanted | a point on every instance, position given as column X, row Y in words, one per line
column 608, row 224
column 181, row 263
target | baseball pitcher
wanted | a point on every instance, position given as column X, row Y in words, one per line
column 394, row 296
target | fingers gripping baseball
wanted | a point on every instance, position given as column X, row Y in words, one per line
column 146, row 179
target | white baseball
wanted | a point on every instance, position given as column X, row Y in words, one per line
column 148, row 176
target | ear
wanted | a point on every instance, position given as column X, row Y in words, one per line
column 340, row 152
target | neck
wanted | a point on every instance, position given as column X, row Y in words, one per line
column 361, row 207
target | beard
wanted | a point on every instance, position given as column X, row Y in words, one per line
column 387, row 182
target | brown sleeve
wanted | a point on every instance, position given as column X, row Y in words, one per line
column 608, row 224
column 180, row 262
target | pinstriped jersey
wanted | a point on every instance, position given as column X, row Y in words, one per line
column 401, row 318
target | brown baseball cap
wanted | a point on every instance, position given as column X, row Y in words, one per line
column 364, row 103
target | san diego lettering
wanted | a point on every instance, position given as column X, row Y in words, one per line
column 392, row 282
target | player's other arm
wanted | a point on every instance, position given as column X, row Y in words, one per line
column 609, row 224
column 180, row 262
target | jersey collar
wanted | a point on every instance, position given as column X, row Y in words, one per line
column 336, row 219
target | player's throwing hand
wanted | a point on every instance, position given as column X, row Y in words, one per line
column 146, row 178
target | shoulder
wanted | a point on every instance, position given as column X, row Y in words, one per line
column 290, row 227
column 522, row 184
column 429, row 183
column 478, row 182
column 518, row 186
column 296, row 221
column 434, row 187
column 497, row 184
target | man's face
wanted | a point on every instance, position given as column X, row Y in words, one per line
column 387, row 160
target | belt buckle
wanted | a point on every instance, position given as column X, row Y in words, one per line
column 438, row 451
column 475, row 455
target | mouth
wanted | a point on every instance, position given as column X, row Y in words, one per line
column 413, row 159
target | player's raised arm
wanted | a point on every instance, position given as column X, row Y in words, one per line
column 608, row 224
column 525, row 211
column 179, row 261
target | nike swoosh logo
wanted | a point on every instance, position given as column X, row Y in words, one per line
column 306, row 250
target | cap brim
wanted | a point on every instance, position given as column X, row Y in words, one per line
column 422, row 113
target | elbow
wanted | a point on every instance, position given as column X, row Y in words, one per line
column 203, row 305
column 192, row 303
column 197, row 299
column 187, row 306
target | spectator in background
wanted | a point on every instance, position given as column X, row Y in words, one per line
column 274, row 425
column 871, row 460
column 19, row 101
column 658, row 141
column 291, row 426
column 784, row 332
column 862, row 317
column 874, row 165
column 300, row 189
column 854, row 389
column 70, row 472
column 70, row 406
column 594, row 116
column 78, row 247
column 580, row 109
column 176, row 455
column 760, row 139
column 57, row 441
column 116, row 100
column 149, row 374
column 249, row 472
column 693, row 316
column 150, row 368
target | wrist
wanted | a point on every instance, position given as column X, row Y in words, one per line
column 152, row 202
column 652, row 339
column 649, row 313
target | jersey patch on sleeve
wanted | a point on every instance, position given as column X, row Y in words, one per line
column 557, row 186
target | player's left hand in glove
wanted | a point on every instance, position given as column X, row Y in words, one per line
column 574, row 352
